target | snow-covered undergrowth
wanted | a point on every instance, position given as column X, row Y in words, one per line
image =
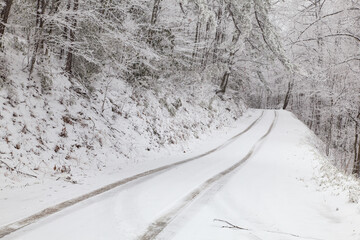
column 66, row 131
column 330, row 178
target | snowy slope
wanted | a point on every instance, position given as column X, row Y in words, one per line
column 70, row 133
column 273, row 194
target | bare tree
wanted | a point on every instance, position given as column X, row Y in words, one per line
column 4, row 16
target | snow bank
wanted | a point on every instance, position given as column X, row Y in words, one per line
column 326, row 175
column 330, row 178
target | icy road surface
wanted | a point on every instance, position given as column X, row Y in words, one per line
column 257, row 187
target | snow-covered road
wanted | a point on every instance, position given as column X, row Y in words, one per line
column 261, row 181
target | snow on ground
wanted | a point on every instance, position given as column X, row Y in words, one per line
column 130, row 212
column 274, row 195
column 19, row 202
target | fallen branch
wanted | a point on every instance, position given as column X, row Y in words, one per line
column 230, row 225
column 233, row 226
column 17, row 171
column 26, row 174
column 7, row 165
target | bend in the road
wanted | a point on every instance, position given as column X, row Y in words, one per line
column 160, row 224
column 15, row 226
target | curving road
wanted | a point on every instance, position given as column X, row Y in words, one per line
column 140, row 207
column 258, row 185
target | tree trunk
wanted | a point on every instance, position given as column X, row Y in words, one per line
column 154, row 18
column 224, row 83
column 65, row 31
column 155, row 12
column 69, row 57
column 4, row 15
column 356, row 168
column 218, row 32
column 40, row 10
column 329, row 140
column 288, row 94
column 356, row 154
column 53, row 10
column 357, row 165
column 197, row 39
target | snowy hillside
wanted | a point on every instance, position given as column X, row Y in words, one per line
column 69, row 132
column 84, row 92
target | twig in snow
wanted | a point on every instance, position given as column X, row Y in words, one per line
column 26, row 174
column 7, row 165
column 232, row 226
column 13, row 169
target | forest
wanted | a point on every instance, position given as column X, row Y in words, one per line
column 169, row 70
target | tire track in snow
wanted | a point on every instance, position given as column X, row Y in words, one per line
column 160, row 224
column 15, row 226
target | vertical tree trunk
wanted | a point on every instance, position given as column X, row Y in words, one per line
column 230, row 60
column 40, row 10
column 329, row 140
column 153, row 20
column 197, row 39
column 288, row 94
column 4, row 16
column 69, row 56
column 357, row 163
column 155, row 12
column 320, row 43
column 356, row 155
column 218, row 32
column 53, row 10
column 224, row 83
column 356, row 168
column 66, row 30
column 205, row 49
